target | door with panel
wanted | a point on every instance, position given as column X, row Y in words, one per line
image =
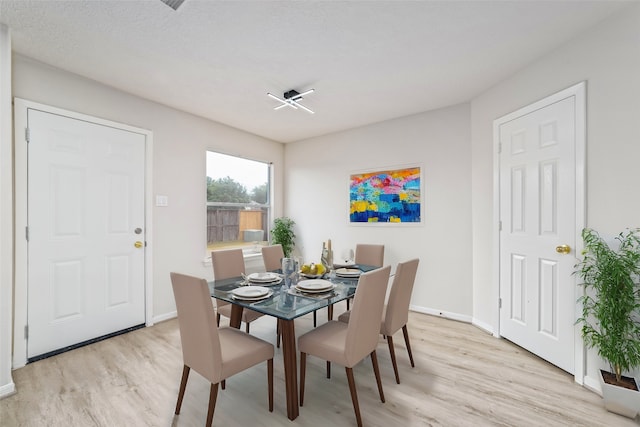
column 538, row 229
column 86, row 233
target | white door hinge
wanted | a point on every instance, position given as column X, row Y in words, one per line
column 27, row 134
column 499, row 302
column 26, row 331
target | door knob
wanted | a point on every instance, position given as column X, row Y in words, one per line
column 563, row 249
column 138, row 244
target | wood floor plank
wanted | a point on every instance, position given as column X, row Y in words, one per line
column 463, row 377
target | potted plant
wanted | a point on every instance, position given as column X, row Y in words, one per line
column 610, row 313
column 282, row 233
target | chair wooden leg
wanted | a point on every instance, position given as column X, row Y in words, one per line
column 278, row 333
column 348, row 304
column 354, row 395
column 376, row 370
column 315, row 319
column 223, row 384
column 330, row 313
column 328, row 369
column 303, row 368
column 213, row 395
column 247, row 327
column 405, row 332
column 183, row 386
column 270, row 383
column 392, row 352
column 218, row 319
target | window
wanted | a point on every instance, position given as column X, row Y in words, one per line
column 238, row 203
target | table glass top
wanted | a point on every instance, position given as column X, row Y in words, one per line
column 287, row 303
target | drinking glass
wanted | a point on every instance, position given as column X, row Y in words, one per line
column 347, row 256
column 289, row 272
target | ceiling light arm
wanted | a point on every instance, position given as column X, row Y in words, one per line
column 285, row 103
column 291, row 98
column 302, row 106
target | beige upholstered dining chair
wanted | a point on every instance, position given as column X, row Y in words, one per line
column 395, row 315
column 348, row 343
column 214, row 353
column 230, row 263
column 272, row 257
column 368, row 254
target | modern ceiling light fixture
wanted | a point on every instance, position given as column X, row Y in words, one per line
column 291, row 98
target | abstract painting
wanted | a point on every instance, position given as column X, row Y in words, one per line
column 388, row 196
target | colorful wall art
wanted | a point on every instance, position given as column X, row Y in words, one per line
column 389, row 196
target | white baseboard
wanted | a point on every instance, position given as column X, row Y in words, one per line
column 7, row 390
column 166, row 316
column 483, row 325
column 454, row 316
column 441, row 313
column 592, row 384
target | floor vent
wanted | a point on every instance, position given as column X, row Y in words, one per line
column 173, row 4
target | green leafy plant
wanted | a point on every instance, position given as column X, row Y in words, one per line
column 611, row 303
column 282, row 233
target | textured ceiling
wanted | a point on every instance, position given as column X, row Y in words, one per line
column 368, row 61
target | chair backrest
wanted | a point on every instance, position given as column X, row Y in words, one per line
column 364, row 322
column 198, row 331
column 397, row 314
column 272, row 257
column 370, row 254
column 227, row 263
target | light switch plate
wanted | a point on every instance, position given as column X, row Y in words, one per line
column 162, row 201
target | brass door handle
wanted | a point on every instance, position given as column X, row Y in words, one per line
column 138, row 244
column 563, row 249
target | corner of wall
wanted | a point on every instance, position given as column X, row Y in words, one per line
column 7, row 385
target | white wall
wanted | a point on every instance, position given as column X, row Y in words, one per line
column 608, row 58
column 180, row 141
column 317, row 199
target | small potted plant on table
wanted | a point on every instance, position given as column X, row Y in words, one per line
column 610, row 314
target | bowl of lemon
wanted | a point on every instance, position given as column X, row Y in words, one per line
column 312, row 271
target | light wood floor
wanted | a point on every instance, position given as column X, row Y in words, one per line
column 463, row 377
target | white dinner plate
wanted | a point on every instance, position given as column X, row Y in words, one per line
column 274, row 282
column 318, row 291
column 314, row 285
column 348, row 272
column 263, row 277
column 267, row 295
column 250, row 292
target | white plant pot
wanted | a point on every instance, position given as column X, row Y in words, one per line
column 620, row 400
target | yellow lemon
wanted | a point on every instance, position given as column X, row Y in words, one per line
column 313, row 269
column 321, row 269
column 305, row 269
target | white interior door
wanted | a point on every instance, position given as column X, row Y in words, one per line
column 538, row 215
column 85, row 215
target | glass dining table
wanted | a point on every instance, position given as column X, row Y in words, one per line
column 286, row 305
